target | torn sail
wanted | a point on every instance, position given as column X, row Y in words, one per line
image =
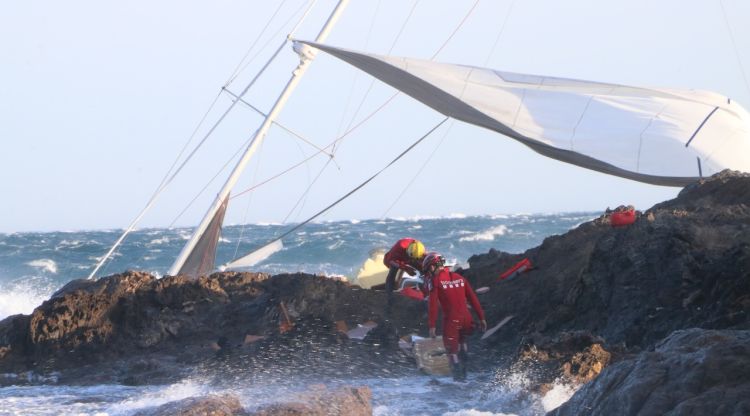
column 202, row 258
column 658, row 136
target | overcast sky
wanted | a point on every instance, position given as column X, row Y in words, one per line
column 98, row 97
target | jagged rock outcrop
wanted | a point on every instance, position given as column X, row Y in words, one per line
column 135, row 329
column 571, row 358
column 685, row 263
column 598, row 297
column 691, row 372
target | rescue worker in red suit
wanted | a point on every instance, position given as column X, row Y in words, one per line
column 405, row 256
column 452, row 291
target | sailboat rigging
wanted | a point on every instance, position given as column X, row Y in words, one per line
column 658, row 136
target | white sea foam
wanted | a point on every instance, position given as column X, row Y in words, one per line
column 559, row 394
column 336, row 245
column 224, row 240
column 472, row 412
column 355, row 221
column 499, row 217
column 47, row 265
column 487, row 235
column 158, row 241
column 160, row 396
column 23, row 295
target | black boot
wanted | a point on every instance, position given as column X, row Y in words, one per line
column 458, row 370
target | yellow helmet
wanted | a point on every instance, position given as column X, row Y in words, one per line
column 415, row 250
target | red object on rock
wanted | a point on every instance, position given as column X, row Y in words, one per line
column 411, row 292
column 622, row 218
column 520, row 267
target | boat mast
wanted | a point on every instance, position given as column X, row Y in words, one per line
column 306, row 55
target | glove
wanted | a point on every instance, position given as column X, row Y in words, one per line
column 483, row 325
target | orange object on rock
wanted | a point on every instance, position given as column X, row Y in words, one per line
column 622, row 218
column 520, row 267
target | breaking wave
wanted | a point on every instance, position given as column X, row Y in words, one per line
column 487, row 235
column 22, row 296
column 46, row 265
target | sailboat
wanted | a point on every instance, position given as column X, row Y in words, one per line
column 661, row 136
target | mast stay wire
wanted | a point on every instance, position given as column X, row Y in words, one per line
column 338, row 139
column 360, row 186
column 500, row 33
column 429, row 158
column 419, row 172
column 369, row 116
column 249, row 200
column 372, row 80
column 303, row 197
column 169, row 176
column 236, row 70
column 734, row 45
column 274, row 36
column 210, row 181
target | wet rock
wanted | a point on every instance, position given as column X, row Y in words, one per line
column 211, row 405
column 597, row 295
column 571, row 358
column 346, row 401
column 691, row 372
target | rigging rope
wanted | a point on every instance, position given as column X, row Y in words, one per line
column 419, row 172
column 236, row 70
column 275, row 34
column 342, row 137
column 734, row 45
column 466, row 17
column 360, row 186
column 499, row 34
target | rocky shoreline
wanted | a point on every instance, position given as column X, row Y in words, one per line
column 653, row 317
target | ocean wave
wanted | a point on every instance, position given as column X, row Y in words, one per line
column 159, row 241
column 417, row 218
column 23, row 295
column 336, row 245
column 487, row 235
column 47, row 265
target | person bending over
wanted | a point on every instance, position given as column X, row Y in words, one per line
column 405, row 256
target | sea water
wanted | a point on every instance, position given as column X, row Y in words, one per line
column 34, row 265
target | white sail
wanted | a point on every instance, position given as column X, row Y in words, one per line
column 256, row 256
column 653, row 135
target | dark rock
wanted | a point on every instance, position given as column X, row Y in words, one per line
column 692, row 372
column 571, row 358
column 597, row 295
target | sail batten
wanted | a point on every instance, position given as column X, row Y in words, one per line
column 639, row 133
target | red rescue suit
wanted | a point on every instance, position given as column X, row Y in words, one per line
column 452, row 291
column 397, row 257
